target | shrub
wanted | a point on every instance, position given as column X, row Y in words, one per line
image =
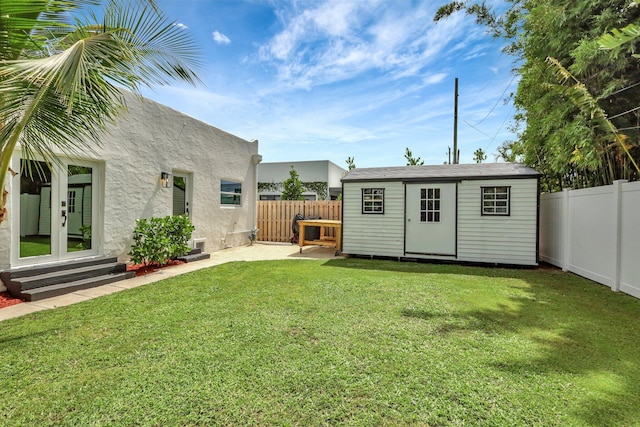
column 157, row 240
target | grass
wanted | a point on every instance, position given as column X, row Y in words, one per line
column 41, row 245
column 339, row 342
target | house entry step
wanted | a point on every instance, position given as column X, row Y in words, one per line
column 195, row 255
column 40, row 282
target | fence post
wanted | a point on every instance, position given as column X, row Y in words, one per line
column 566, row 235
column 617, row 232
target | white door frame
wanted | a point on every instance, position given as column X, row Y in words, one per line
column 59, row 203
column 431, row 223
column 188, row 179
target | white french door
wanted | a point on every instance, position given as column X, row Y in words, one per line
column 55, row 211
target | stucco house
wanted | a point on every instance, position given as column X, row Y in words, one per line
column 154, row 162
column 480, row 213
column 321, row 179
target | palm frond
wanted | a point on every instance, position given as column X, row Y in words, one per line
column 63, row 101
column 618, row 37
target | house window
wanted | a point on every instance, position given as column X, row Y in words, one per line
column 496, row 200
column 429, row 205
column 230, row 193
column 373, row 200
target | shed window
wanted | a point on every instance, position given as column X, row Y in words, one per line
column 429, row 205
column 71, row 203
column 496, row 200
column 230, row 193
column 373, row 200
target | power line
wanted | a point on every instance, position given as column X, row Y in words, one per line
column 626, row 112
column 497, row 101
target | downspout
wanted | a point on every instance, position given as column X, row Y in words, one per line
column 256, row 159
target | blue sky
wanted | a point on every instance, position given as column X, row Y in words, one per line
column 329, row 79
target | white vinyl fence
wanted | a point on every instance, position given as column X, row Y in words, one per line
column 595, row 233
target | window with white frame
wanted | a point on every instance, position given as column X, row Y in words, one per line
column 429, row 205
column 71, row 201
column 230, row 193
column 373, row 200
column 496, row 200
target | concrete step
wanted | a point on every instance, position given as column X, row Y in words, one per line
column 194, row 257
column 76, row 285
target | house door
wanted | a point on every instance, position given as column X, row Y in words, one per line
column 55, row 211
column 430, row 219
column 181, row 194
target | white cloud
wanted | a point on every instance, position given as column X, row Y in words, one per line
column 181, row 25
column 337, row 40
column 220, row 38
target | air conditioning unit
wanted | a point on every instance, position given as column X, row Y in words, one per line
column 198, row 243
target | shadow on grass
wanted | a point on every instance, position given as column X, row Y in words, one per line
column 581, row 328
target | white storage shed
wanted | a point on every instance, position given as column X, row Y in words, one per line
column 478, row 213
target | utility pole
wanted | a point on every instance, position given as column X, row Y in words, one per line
column 456, row 153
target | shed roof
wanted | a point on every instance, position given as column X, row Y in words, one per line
column 442, row 172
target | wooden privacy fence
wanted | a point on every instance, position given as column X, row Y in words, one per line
column 275, row 216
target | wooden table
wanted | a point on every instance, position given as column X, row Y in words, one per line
column 324, row 224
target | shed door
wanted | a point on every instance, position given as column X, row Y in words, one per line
column 430, row 219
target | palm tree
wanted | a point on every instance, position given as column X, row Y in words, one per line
column 61, row 80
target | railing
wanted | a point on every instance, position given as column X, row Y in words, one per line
column 275, row 217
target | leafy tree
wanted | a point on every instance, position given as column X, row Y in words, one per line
column 60, row 79
column 412, row 161
column 351, row 165
column 292, row 188
column 479, row 156
column 560, row 137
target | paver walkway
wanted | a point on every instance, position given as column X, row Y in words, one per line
column 256, row 252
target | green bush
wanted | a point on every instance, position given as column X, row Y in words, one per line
column 157, row 240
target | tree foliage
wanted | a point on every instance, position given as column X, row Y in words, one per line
column 562, row 122
column 412, row 161
column 351, row 163
column 292, row 188
column 479, row 156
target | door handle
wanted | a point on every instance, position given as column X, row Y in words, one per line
column 64, row 215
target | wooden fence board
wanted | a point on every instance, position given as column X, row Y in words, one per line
column 275, row 216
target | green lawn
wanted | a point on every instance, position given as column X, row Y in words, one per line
column 338, row 342
column 41, row 245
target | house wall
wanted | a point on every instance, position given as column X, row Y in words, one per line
column 158, row 138
column 147, row 140
column 373, row 234
column 498, row 239
column 594, row 232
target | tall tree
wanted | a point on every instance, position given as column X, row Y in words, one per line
column 558, row 137
column 351, row 165
column 412, row 161
column 292, row 187
column 479, row 156
column 60, row 79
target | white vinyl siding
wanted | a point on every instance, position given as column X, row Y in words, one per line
column 377, row 235
column 498, row 239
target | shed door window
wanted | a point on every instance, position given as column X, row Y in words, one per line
column 496, row 200
column 373, row 200
column 429, row 205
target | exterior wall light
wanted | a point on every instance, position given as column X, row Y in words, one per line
column 165, row 180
